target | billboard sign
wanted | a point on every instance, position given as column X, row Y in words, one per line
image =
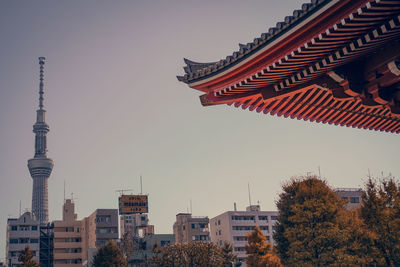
column 131, row 204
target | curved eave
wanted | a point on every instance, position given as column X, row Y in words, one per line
column 282, row 44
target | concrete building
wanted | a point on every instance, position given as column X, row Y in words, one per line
column 232, row 227
column 70, row 244
column 352, row 195
column 75, row 241
column 136, row 225
column 22, row 232
column 40, row 166
column 100, row 226
column 145, row 245
column 188, row 228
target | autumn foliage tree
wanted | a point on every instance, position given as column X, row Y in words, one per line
column 109, row 255
column 26, row 258
column 189, row 255
column 380, row 210
column 259, row 252
column 314, row 229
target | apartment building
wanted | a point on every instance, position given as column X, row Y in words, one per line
column 75, row 241
column 101, row 226
column 232, row 227
column 136, row 225
column 188, row 228
column 70, row 244
column 351, row 195
column 21, row 232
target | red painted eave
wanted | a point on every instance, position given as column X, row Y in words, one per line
column 290, row 43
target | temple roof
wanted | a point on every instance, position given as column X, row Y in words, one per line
column 342, row 51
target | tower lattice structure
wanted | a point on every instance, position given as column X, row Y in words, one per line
column 40, row 166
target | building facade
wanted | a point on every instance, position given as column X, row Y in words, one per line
column 135, row 225
column 101, row 226
column 22, row 232
column 76, row 241
column 70, row 244
column 188, row 228
column 232, row 227
column 351, row 195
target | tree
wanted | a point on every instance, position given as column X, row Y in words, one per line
column 189, row 255
column 380, row 210
column 26, row 258
column 309, row 230
column 227, row 254
column 259, row 252
column 127, row 245
column 109, row 255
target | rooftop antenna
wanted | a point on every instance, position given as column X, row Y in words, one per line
column 248, row 187
column 141, row 185
column 319, row 172
column 369, row 174
column 64, row 191
column 191, row 210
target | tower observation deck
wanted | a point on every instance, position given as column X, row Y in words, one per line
column 40, row 166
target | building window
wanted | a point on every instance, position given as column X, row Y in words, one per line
column 242, row 218
column 263, row 218
column 264, row 228
column 34, row 227
column 274, row 218
column 239, row 249
column 34, row 241
column 219, row 232
column 103, row 219
column 13, row 241
column 14, row 228
column 239, row 238
column 24, row 228
column 219, row 222
column 13, row 254
column 193, row 226
column 354, row 200
column 69, row 229
column 23, row 241
column 242, row 228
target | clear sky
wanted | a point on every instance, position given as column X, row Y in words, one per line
column 116, row 111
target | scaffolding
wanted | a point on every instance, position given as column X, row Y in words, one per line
column 46, row 245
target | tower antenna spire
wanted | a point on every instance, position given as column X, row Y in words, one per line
column 41, row 63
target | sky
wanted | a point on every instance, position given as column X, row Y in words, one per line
column 116, row 111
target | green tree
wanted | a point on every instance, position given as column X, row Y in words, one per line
column 193, row 254
column 380, row 210
column 109, row 255
column 227, row 254
column 310, row 230
column 260, row 252
column 26, row 258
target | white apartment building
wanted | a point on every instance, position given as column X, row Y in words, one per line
column 232, row 227
column 22, row 232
